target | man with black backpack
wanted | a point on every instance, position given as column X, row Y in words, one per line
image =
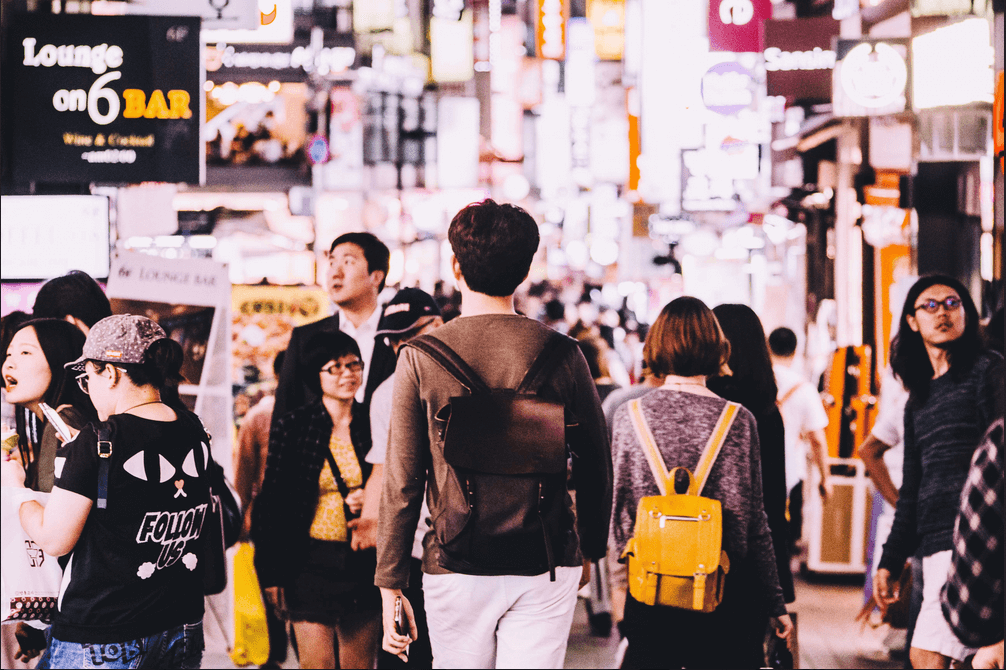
column 491, row 411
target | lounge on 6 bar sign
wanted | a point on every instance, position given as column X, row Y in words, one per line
column 105, row 98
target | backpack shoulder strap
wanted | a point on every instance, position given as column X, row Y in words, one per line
column 713, row 447
column 453, row 364
column 544, row 363
column 787, row 395
column 653, row 457
column 106, row 436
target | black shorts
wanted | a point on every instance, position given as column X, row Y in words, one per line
column 333, row 581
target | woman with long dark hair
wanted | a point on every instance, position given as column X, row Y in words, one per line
column 314, row 480
column 33, row 374
column 751, row 383
column 955, row 394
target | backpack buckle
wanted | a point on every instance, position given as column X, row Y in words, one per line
column 104, row 449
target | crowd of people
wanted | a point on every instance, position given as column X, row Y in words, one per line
column 433, row 482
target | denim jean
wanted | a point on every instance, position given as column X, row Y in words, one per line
column 179, row 647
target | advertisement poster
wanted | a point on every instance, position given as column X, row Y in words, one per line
column 45, row 236
column 106, row 98
column 262, row 319
column 190, row 299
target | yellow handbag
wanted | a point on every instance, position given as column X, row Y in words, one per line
column 251, row 632
column 675, row 555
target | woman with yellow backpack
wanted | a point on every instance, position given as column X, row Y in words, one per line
column 688, row 514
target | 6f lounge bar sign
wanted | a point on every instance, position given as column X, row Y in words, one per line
column 105, row 99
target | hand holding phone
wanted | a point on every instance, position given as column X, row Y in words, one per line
column 54, row 419
column 401, row 627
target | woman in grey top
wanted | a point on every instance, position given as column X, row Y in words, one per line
column 686, row 345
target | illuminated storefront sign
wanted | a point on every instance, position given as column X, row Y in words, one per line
column 94, row 103
column 953, row 65
column 799, row 58
column 608, row 19
column 870, row 77
column 275, row 25
column 551, row 29
column 266, row 62
column 735, row 25
column 727, row 88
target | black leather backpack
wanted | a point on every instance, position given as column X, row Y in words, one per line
column 503, row 511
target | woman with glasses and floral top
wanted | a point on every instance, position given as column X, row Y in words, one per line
column 955, row 394
column 314, row 480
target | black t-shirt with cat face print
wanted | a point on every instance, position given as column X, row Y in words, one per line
column 135, row 570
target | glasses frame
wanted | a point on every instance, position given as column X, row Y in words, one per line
column 83, row 383
column 949, row 304
column 338, row 369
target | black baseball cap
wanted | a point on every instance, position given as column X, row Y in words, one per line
column 407, row 309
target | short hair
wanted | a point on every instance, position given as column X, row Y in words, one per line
column 909, row 359
column 782, row 342
column 686, row 340
column 277, row 363
column 74, row 294
column 374, row 250
column 494, row 244
column 322, row 348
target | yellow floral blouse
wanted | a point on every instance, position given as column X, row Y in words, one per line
column 330, row 515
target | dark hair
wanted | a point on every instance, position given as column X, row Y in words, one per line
column 909, row 358
column 686, row 340
column 374, row 250
column 594, row 353
column 322, row 348
column 494, row 245
column 161, row 366
column 751, row 382
column 277, row 363
column 782, row 341
column 9, row 325
column 61, row 342
column 74, row 294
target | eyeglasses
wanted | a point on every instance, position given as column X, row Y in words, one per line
column 82, row 383
column 933, row 306
column 336, row 369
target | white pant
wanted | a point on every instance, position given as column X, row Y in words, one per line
column 932, row 632
column 507, row 621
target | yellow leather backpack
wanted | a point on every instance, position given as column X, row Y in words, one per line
column 675, row 555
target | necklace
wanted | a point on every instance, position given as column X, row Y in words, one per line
column 149, row 402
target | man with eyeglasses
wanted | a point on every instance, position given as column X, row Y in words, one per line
column 357, row 268
column 955, row 394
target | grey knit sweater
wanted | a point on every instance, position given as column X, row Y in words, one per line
column 681, row 424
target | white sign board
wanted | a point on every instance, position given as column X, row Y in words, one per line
column 45, row 236
column 274, row 26
column 216, row 14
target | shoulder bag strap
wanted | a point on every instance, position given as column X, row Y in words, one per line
column 653, row 457
column 106, row 432
column 544, row 363
column 453, row 364
column 713, row 447
column 787, row 395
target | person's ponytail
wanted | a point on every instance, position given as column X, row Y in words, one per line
column 162, row 363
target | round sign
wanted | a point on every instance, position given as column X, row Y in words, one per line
column 317, row 150
column 874, row 76
column 727, row 88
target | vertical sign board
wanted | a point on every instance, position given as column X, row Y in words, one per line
column 799, row 58
column 550, row 29
column 191, row 300
column 106, row 98
column 735, row 25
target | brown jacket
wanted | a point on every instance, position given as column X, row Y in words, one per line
column 500, row 348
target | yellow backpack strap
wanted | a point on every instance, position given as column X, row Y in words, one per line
column 713, row 447
column 653, row 457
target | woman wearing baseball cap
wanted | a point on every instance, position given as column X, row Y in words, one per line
column 130, row 508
